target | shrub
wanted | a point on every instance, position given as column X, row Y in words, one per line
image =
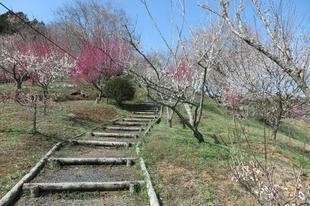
column 120, row 89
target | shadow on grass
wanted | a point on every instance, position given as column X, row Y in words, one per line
column 29, row 133
column 294, row 150
column 15, row 132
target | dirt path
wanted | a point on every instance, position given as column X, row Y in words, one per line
column 99, row 168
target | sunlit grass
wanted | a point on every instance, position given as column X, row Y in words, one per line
column 177, row 160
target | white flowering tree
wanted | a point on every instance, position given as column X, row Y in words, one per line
column 12, row 62
column 45, row 64
column 285, row 43
column 265, row 184
column 271, row 92
column 179, row 80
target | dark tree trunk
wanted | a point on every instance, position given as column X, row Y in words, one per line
column 195, row 130
column 18, row 79
column 276, row 123
column 19, row 84
column 34, row 121
column 100, row 89
column 198, row 135
column 16, row 95
column 275, row 129
column 184, row 126
column 45, row 96
column 169, row 117
column 170, row 123
column 100, row 95
column 45, row 93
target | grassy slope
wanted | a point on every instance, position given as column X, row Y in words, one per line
column 19, row 150
column 188, row 173
column 184, row 172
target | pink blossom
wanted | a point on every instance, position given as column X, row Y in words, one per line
column 297, row 112
column 100, row 61
column 182, row 72
column 232, row 99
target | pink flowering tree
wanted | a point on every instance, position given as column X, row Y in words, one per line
column 232, row 99
column 182, row 73
column 297, row 112
column 12, row 63
column 98, row 62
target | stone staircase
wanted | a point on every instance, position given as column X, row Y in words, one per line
column 102, row 162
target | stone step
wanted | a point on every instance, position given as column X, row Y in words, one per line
column 93, row 151
column 114, row 134
column 95, row 161
column 124, row 128
column 101, row 143
column 143, row 116
column 130, row 123
column 36, row 189
column 109, row 139
column 87, row 173
column 136, row 120
column 146, row 112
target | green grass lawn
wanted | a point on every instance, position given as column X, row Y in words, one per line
column 188, row 173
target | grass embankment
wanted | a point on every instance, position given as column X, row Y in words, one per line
column 188, row 173
column 20, row 150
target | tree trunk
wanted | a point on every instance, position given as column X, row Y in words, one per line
column 45, row 96
column 195, row 130
column 100, row 95
column 16, row 95
column 183, row 124
column 276, row 124
column 18, row 84
column 34, row 122
column 169, row 116
column 189, row 111
column 170, row 123
column 198, row 135
column 45, row 92
column 275, row 129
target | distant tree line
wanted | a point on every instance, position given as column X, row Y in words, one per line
column 11, row 24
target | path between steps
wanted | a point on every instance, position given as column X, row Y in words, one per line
column 99, row 168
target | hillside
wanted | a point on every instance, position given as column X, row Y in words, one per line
column 184, row 172
column 188, row 173
column 66, row 118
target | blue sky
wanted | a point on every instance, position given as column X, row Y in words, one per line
column 161, row 9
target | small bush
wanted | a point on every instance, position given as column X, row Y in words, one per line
column 120, row 89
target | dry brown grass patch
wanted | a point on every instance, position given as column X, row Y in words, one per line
column 93, row 113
